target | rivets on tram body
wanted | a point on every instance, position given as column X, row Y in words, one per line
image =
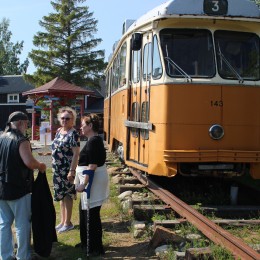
column 216, row 132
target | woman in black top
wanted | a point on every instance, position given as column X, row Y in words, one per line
column 91, row 175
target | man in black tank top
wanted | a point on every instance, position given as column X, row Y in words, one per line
column 16, row 179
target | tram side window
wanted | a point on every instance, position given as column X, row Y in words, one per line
column 135, row 116
column 122, row 66
column 107, row 83
column 115, row 75
column 157, row 64
column 136, row 66
column 238, row 55
column 145, row 119
column 147, row 62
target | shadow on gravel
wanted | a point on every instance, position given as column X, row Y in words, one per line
column 137, row 251
column 116, row 227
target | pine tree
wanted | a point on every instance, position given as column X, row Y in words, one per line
column 67, row 48
column 9, row 52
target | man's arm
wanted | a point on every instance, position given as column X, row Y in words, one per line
column 28, row 159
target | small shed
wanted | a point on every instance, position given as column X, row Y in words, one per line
column 55, row 94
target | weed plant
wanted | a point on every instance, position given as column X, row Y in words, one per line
column 250, row 234
column 220, row 253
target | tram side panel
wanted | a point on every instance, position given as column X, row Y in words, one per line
column 115, row 128
column 106, row 121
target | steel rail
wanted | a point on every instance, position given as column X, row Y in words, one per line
column 214, row 232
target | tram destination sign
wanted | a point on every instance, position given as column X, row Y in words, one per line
column 215, row 7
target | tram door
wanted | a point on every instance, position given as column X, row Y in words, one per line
column 139, row 110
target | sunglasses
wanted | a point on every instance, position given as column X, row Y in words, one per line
column 65, row 118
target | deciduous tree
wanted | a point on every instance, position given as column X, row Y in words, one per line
column 9, row 52
column 257, row 2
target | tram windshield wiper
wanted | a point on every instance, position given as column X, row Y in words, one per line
column 178, row 68
column 231, row 68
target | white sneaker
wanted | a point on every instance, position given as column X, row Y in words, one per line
column 58, row 227
column 65, row 228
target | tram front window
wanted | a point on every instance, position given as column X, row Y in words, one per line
column 237, row 55
column 188, row 52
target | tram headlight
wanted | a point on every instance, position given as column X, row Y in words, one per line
column 216, row 132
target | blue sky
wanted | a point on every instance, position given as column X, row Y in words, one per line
column 24, row 16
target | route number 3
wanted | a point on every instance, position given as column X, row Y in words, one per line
column 215, row 7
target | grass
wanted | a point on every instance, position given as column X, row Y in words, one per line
column 65, row 247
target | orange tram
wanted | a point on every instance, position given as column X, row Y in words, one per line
column 183, row 90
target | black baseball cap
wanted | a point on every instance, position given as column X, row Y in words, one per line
column 16, row 116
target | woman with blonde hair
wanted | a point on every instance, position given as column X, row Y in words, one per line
column 65, row 153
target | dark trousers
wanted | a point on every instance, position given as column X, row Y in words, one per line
column 95, row 229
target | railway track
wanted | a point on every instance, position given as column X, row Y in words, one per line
column 215, row 233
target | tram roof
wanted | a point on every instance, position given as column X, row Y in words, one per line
column 235, row 8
